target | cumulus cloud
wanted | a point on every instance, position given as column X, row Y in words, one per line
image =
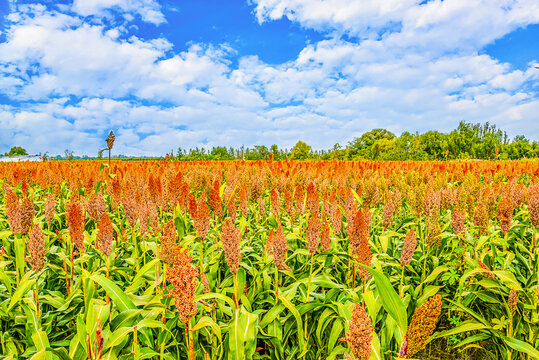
column 402, row 65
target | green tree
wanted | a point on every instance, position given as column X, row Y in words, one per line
column 301, row 151
column 16, row 150
column 362, row 146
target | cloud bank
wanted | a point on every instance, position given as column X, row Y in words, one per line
column 70, row 73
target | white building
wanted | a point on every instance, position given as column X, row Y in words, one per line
column 18, row 158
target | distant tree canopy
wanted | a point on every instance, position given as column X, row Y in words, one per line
column 467, row 141
column 16, row 150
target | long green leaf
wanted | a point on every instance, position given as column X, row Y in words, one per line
column 121, row 300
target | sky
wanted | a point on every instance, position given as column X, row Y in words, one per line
column 203, row 73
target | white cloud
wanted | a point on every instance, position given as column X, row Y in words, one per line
column 75, row 80
column 149, row 10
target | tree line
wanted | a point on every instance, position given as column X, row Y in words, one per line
column 467, row 141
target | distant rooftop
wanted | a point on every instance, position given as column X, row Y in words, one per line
column 17, row 158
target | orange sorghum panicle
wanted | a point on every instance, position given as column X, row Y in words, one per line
column 422, row 325
column 183, row 277
column 313, row 234
column 280, row 248
column 533, row 205
column 105, row 234
column 75, row 219
column 230, row 235
column 202, row 218
column 168, row 242
column 360, row 333
column 36, row 248
column 95, row 207
column 275, row 202
column 458, row 220
column 387, row 214
column 505, row 214
column 488, row 273
column 26, row 215
column 324, row 237
column 49, row 208
column 408, row 248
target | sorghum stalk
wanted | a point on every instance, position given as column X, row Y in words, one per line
column 236, row 295
column 134, row 237
column 401, row 291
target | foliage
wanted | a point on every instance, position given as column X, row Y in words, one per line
column 16, row 150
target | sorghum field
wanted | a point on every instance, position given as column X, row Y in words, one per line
column 269, row 260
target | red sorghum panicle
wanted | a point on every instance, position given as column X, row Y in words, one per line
column 36, row 248
column 49, row 208
column 280, row 248
column 289, row 204
column 408, row 248
column 505, row 214
column 313, row 234
column 360, row 334
column 458, row 221
column 487, row 273
column 230, row 235
column 75, row 220
column 422, row 325
column 533, row 205
column 183, row 277
column 324, row 237
column 105, row 234
column 261, row 207
column 512, row 302
column 168, row 242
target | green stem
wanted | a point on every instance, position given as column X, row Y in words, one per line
column 134, row 237
column 401, row 292
column 310, row 280
column 236, row 296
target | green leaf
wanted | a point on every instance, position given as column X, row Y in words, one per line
column 121, row 300
column 389, row 298
column 24, row 285
column 118, row 336
column 299, row 323
column 521, row 346
column 467, row 326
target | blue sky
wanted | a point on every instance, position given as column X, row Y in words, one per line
column 169, row 74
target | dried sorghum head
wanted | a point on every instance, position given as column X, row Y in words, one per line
column 422, row 325
column 230, row 236
column 360, row 334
